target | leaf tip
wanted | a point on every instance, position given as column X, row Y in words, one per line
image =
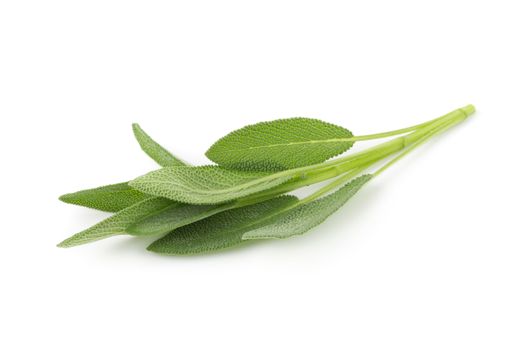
column 136, row 127
column 139, row 133
column 158, row 247
column 69, row 198
column 64, row 244
column 153, row 247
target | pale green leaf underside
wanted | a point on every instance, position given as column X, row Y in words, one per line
column 298, row 220
column 280, row 144
column 158, row 153
column 111, row 198
column 205, row 184
column 117, row 223
column 174, row 216
column 220, row 231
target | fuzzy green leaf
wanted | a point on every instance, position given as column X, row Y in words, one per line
column 117, row 223
column 298, row 220
column 111, row 198
column 205, row 184
column 174, row 216
column 158, row 153
column 280, row 144
column 219, row 231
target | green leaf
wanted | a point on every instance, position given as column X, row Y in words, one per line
column 111, row 198
column 174, row 216
column 205, row 184
column 219, row 231
column 302, row 218
column 158, row 153
column 117, row 223
column 280, row 144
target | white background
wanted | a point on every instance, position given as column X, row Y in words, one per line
column 430, row 255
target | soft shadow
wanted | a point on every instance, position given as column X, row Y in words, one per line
column 125, row 244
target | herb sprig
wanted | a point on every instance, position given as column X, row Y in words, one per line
column 245, row 196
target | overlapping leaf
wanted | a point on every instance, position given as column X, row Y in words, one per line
column 174, row 216
column 205, row 184
column 304, row 217
column 117, row 223
column 220, row 231
column 111, row 198
column 280, row 144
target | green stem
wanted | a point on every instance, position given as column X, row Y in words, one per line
column 305, row 179
column 376, row 152
column 355, row 163
column 334, row 184
column 312, row 177
column 430, row 130
column 392, row 132
column 430, row 134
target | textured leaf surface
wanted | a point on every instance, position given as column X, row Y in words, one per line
column 219, row 231
column 205, row 184
column 298, row 220
column 174, row 216
column 117, row 223
column 280, row 144
column 111, row 198
column 158, row 153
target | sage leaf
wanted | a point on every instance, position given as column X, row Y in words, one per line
column 302, row 218
column 117, row 223
column 113, row 198
column 280, row 144
column 205, row 184
column 220, row 231
column 172, row 217
column 242, row 197
column 110, row 198
column 158, row 153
